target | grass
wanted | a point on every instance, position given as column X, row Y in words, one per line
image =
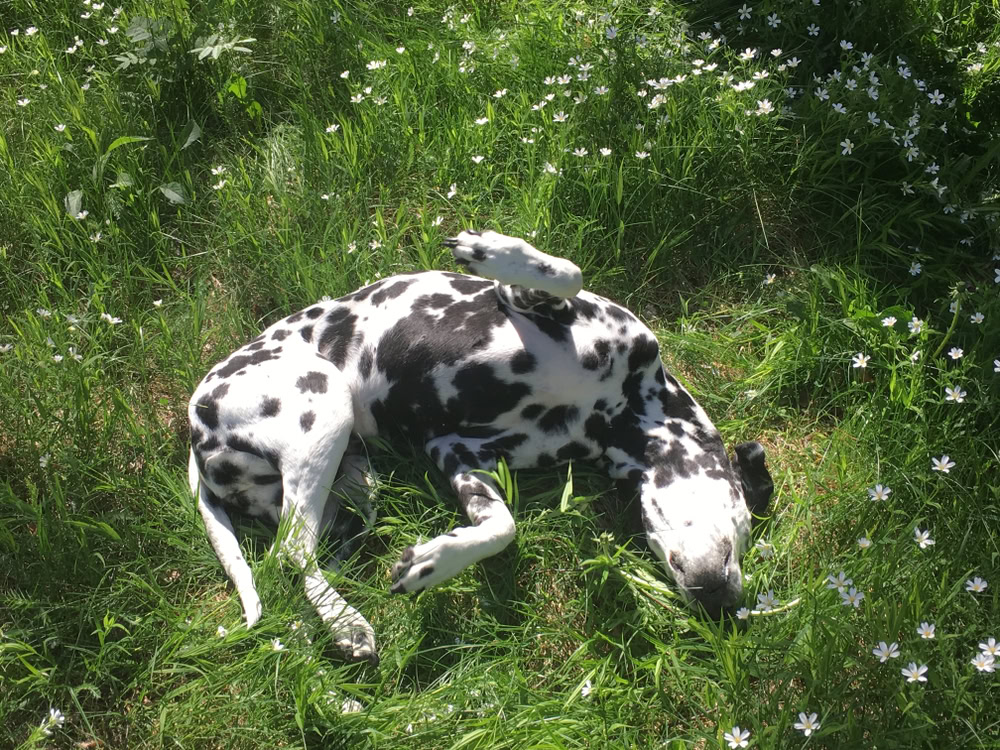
column 205, row 172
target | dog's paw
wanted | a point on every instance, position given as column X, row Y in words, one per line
column 356, row 638
column 251, row 607
column 420, row 567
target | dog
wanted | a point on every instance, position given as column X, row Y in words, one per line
column 513, row 362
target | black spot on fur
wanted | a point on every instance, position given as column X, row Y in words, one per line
column 280, row 335
column 545, row 269
column 239, row 361
column 362, row 294
column 478, row 254
column 544, row 461
column 482, row 396
column 644, row 352
column 558, row 418
column 207, row 410
column 437, row 301
column 270, row 407
column 429, row 570
column 366, row 362
column 255, row 346
column 265, row 479
column 465, row 285
column 225, row 472
column 306, row 421
column 211, row 444
column 573, row 450
column 294, row 318
column 390, row 292
column 678, row 406
column 312, row 382
column 531, row 412
column 306, row 332
column 335, row 341
column 596, row 429
column 314, row 312
column 523, row 362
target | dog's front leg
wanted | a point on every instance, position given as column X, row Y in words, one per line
column 226, row 546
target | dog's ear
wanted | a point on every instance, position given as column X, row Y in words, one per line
column 751, row 470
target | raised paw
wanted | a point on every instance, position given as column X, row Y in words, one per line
column 511, row 260
column 422, row 567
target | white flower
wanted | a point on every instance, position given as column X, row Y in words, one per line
column 482, row 120
column 499, row 93
column 991, row 647
column 955, row 352
column 813, row 29
column 585, row 689
column 839, row 581
column 23, row 102
column 453, row 190
column 773, row 20
column 922, row 538
column 770, row 279
column 915, row 268
column 764, row 107
column 913, row 673
column 943, row 464
column 977, row 318
column 605, row 152
column 477, row 159
column 766, row 549
column 885, row 652
column 376, row 64
column 277, row 645
column 888, row 321
column 955, row 394
column 743, row 613
column 936, row 97
column 112, row 320
column 744, row 12
column 926, row 630
column 748, row 54
column 879, row 492
column 807, row 724
column 737, row 738
column 977, row 585
column 332, row 127
column 580, row 152
column 860, row 360
column 984, row 662
column 864, row 542
column 852, row 597
column 612, row 32
column 641, row 154
column 559, row 117
column 916, row 325
column 221, row 631
column 766, row 602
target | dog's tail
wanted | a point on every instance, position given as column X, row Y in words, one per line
column 513, row 262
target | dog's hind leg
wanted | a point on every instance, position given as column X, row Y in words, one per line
column 430, row 563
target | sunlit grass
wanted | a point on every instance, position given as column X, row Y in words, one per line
column 174, row 178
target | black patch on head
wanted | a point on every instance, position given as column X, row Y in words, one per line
column 210, row 445
column 196, row 436
column 312, row 382
column 224, row 472
column 465, row 285
column 621, row 347
column 335, row 341
column 306, row 421
column 478, row 254
column 220, row 391
column 306, row 332
column 264, row 479
column 600, row 405
column 314, row 312
column 573, row 450
column 294, row 318
column 429, row 570
column 239, row 361
column 558, row 418
column 531, row 411
column 270, row 407
column 545, row 269
column 280, row 335
column 523, row 362
column 390, row 292
column 366, row 362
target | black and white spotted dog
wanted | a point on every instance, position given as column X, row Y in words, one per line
column 528, row 368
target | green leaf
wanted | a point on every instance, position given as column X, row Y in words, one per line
column 567, row 492
column 174, row 193
column 72, row 202
column 125, row 139
column 190, row 134
column 238, row 88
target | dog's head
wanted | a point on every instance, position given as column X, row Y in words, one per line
column 696, row 511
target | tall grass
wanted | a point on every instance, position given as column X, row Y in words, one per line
column 185, row 174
